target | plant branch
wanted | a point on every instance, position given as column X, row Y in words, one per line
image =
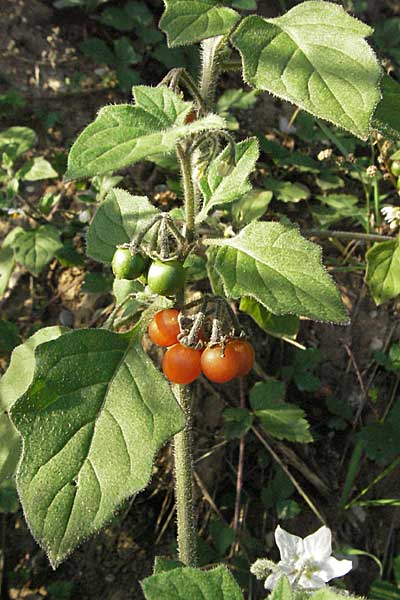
column 184, row 482
column 347, row 235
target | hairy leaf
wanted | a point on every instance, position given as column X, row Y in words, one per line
column 35, row 249
column 316, row 57
column 92, row 420
column 282, row 590
column 125, row 133
column 13, row 384
column 117, row 220
column 383, row 270
column 18, row 139
column 276, row 325
column 224, row 181
column 190, row 21
column 185, row 582
column 273, row 264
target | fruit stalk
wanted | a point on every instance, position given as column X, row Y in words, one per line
column 187, row 546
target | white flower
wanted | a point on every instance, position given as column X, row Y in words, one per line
column 391, row 215
column 307, row 563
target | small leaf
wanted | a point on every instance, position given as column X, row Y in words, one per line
column 184, row 583
column 98, row 51
column 20, row 139
column 35, row 249
column 273, row 264
column 122, row 134
column 251, row 206
column 222, row 536
column 37, row 169
column 13, row 384
column 162, row 564
column 315, row 56
column 383, row 270
column 118, row 220
column 276, row 325
column 121, row 289
column 286, row 191
column 92, row 390
column 279, row 419
column 382, row 440
column 189, row 21
column 237, row 422
column 225, row 182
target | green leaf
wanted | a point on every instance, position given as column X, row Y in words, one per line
column 280, row 419
column 236, row 99
column 7, row 259
column 122, row 134
column 189, row 21
column 34, row 249
column 224, row 181
column 282, row 590
column 382, row 440
column 286, row 191
column 279, row 489
column 383, row 270
column 13, row 384
column 237, row 422
column 97, row 283
column 92, row 390
column 37, row 169
column 315, row 56
column 387, row 115
column 98, row 51
column 185, row 582
column 9, row 337
column 273, row 264
column 118, row 219
column 162, row 564
column 8, row 497
column 222, row 536
column 276, row 325
column 124, row 51
column 382, row 590
column 336, row 207
column 251, row 206
column 20, row 139
column 121, row 289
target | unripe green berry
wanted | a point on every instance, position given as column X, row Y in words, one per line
column 127, row 266
column 395, row 168
column 166, row 278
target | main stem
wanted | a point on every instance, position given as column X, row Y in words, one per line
column 187, row 546
column 183, row 451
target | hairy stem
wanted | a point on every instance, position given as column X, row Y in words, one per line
column 184, row 482
column 347, row 235
column 188, row 189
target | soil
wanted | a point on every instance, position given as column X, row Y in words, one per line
column 39, row 54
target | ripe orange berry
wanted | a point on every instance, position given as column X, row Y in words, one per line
column 181, row 364
column 164, row 327
column 220, row 364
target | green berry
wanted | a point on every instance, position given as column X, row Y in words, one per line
column 166, row 278
column 395, row 168
column 127, row 266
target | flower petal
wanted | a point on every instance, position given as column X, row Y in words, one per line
column 318, row 545
column 290, row 546
column 310, row 582
column 332, row 567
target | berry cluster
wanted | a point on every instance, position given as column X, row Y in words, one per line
column 220, row 362
column 165, row 278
